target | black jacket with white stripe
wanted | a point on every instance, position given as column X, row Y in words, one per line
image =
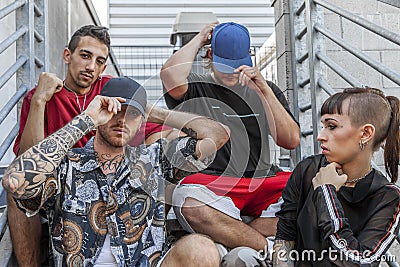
column 351, row 227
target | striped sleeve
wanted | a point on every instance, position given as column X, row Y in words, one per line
column 376, row 236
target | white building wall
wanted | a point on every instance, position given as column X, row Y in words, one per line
column 134, row 22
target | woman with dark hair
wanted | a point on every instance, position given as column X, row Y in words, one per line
column 338, row 210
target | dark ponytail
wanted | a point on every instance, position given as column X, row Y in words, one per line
column 392, row 145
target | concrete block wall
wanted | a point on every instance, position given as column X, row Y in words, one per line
column 376, row 47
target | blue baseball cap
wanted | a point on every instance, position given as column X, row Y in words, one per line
column 230, row 44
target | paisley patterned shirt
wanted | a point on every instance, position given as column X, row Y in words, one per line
column 82, row 204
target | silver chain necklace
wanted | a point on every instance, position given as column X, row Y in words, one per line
column 357, row 179
column 76, row 97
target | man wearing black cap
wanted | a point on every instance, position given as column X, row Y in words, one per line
column 241, row 180
column 102, row 215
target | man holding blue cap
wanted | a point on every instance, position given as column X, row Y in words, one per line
column 241, row 181
column 102, row 215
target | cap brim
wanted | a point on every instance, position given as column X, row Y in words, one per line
column 229, row 65
column 133, row 103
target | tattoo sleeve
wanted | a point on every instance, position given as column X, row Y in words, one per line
column 26, row 174
column 281, row 255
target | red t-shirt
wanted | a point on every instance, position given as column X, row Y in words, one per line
column 146, row 130
column 60, row 110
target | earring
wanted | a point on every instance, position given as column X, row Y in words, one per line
column 99, row 78
column 362, row 145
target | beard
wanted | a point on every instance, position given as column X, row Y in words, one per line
column 108, row 138
column 223, row 82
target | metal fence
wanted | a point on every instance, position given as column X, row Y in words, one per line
column 29, row 41
column 144, row 64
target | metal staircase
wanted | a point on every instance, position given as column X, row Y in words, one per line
column 27, row 37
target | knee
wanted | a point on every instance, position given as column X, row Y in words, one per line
column 198, row 249
column 194, row 211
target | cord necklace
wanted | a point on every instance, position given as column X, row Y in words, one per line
column 76, row 97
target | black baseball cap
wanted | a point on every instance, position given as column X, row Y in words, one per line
column 129, row 89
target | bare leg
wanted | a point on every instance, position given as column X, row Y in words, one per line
column 25, row 235
column 221, row 227
column 192, row 250
column 265, row 226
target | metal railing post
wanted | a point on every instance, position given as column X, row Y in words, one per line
column 41, row 34
column 297, row 157
column 25, row 44
column 313, row 15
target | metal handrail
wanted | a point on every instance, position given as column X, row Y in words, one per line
column 13, row 38
column 12, row 102
column 325, row 86
column 390, row 74
column 339, row 70
column 12, row 70
column 11, row 8
column 383, row 32
column 3, row 218
column 8, row 140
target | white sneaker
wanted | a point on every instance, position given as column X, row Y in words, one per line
column 221, row 250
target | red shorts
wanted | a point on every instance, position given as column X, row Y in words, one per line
column 250, row 196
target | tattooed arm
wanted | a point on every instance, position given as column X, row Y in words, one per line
column 211, row 135
column 281, row 255
column 26, row 174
